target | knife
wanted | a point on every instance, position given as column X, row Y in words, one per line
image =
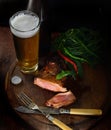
column 74, row 111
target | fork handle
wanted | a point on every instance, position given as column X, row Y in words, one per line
column 59, row 123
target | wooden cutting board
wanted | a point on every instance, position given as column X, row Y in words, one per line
column 91, row 92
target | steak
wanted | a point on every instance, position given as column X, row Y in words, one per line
column 61, row 99
column 49, row 85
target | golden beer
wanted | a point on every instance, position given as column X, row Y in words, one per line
column 25, row 29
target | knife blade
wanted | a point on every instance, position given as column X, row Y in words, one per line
column 74, row 111
column 24, row 109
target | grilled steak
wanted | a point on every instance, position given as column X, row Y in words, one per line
column 61, row 99
column 49, row 85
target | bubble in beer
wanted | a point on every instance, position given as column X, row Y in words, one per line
column 24, row 25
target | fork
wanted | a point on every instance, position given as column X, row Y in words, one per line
column 32, row 105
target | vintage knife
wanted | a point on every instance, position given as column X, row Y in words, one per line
column 74, row 111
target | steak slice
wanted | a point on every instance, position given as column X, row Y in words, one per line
column 61, row 99
column 49, row 85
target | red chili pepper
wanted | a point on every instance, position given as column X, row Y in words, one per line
column 69, row 60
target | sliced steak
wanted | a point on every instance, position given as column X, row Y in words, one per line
column 61, row 99
column 49, row 85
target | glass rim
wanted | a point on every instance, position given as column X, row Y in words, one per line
column 24, row 12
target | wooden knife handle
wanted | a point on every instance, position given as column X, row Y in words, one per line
column 59, row 123
column 95, row 112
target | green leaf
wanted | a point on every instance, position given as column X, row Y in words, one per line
column 62, row 74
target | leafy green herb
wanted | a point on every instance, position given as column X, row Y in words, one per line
column 80, row 45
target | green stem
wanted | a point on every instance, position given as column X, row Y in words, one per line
column 74, row 57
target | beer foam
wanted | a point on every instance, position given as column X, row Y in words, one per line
column 24, row 25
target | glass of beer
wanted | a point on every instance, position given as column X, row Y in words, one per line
column 24, row 26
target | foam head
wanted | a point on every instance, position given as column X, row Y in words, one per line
column 24, row 24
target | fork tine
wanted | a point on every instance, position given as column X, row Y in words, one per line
column 24, row 98
column 24, row 102
column 23, row 95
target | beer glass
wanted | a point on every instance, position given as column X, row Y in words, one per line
column 24, row 26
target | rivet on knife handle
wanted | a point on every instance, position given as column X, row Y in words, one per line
column 95, row 112
column 59, row 123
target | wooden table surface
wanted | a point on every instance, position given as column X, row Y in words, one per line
column 9, row 120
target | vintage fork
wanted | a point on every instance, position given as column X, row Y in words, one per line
column 31, row 105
